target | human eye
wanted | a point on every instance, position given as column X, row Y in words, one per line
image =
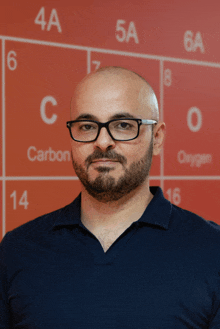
column 87, row 126
column 124, row 125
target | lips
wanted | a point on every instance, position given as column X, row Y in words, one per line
column 104, row 160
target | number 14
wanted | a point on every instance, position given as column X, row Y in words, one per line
column 22, row 201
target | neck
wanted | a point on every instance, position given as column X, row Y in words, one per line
column 97, row 215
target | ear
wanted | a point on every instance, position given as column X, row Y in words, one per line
column 159, row 134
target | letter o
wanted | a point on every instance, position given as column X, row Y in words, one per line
column 59, row 156
column 198, row 113
column 181, row 156
column 45, row 100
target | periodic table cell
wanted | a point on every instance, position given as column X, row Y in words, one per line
column 198, row 196
column 149, row 69
column 40, row 83
column 26, row 200
column 191, row 112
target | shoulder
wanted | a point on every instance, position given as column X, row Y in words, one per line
column 180, row 222
column 191, row 218
column 195, row 227
column 36, row 228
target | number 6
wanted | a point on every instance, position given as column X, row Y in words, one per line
column 11, row 61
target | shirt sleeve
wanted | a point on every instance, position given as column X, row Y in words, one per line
column 4, row 309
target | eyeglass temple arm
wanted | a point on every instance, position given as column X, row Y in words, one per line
column 148, row 122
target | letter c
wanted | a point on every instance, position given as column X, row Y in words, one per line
column 29, row 153
column 45, row 100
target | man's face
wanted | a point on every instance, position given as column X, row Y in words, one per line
column 111, row 169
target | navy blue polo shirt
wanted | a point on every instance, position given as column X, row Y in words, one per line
column 162, row 272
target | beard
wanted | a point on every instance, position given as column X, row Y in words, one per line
column 106, row 188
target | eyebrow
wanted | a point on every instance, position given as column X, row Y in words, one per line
column 119, row 115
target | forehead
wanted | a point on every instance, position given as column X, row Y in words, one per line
column 105, row 95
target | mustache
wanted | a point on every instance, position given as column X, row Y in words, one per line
column 111, row 155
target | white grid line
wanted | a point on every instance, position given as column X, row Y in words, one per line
column 65, row 178
column 88, row 61
column 3, row 142
column 191, row 177
column 35, row 178
column 112, row 52
column 161, row 117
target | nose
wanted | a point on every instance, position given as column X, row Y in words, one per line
column 104, row 140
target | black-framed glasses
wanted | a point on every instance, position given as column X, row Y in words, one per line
column 119, row 129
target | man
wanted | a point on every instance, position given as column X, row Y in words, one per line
column 120, row 255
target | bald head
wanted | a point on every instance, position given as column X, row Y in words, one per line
column 111, row 81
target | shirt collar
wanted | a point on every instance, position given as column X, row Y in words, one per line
column 157, row 213
column 69, row 215
column 159, row 210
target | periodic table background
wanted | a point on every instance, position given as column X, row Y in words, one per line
column 47, row 47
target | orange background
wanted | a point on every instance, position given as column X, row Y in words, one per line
column 48, row 60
